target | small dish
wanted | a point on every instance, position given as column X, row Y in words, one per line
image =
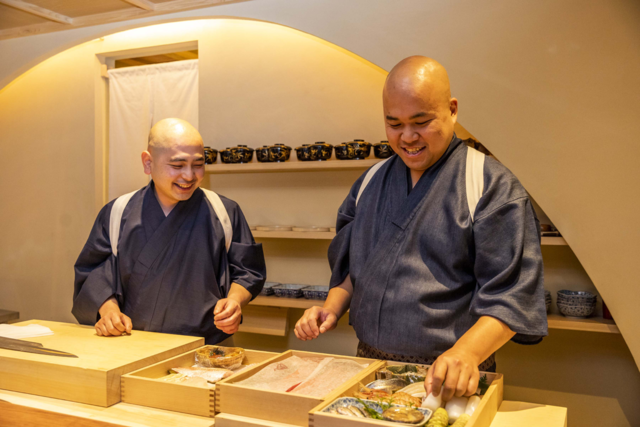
column 279, row 153
column 239, row 154
column 262, row 154
column 303, row 153
column 344, row 402
column 579, row 310
column 288, row 290
column 313, row 228
column 315, row 292
column 361, row 148
column 210, row 155
column 344, row 151
column 321, row 151
column 266, row 289
column 382, row 150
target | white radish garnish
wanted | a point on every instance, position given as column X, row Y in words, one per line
column 473, row 403
column 432, row 402
column 456, row 407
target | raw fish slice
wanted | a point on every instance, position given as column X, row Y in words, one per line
column 281, row 376
column 212, row 375
column 328, row 377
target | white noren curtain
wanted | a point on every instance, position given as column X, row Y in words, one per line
column 138, row 98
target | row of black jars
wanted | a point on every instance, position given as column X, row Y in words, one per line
column 319, row 151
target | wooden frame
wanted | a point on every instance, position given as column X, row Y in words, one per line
column 277, row 406
column 142, row 387
column 482, row 417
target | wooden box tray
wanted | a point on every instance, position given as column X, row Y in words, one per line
column 280, row 407
column 93, row 377
column 142, row 387
column 482, row 417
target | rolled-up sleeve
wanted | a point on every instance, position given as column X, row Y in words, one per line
column 509, row 270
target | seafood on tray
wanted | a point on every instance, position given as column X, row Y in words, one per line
column 385, row 413
column 213, row 356
column 212, row 375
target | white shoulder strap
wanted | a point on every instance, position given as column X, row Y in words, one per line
column 223, row 216
column 368, row 177
column 116, row 218
column 474, row 178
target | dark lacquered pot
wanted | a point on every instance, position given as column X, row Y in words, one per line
column 321, row 151
column 210, row 155
column 239, row 154
column 345, row 151
column 279, row 153
column 262, row 154
column 361, row 148
column 382, row 150
column 303, row 153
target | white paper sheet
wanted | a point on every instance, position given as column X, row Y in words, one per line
column 28, row 331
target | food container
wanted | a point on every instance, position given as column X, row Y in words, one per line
column 482, row 417
column 267, row 288
column 239, row 154
column 144, row 386
column 303, row 153
column 288, row 290
column 345, row 151
column 213, row 356
column 279, row 153
column 280, row 407
column 262, row 154
column 359, row 403
column 321, row 151
column 315, row 292
column 361, row 148
column 382, row 150
column 210, row 155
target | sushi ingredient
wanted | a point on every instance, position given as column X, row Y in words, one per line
column 456, row 407
column 345, row 411
column 404, row 415
column 408, row 373
column 420, row 395
column 213, row 356
column 391, row 386
column 371, row 394
column 212, row 375
column 462, row 421
column 329, row 375
column 432, row 402
column 472, row 404
column 369, row 411
column 440, row 418
column 405, row 399
column 187, row 380
column 414, row 388
column 356, row 411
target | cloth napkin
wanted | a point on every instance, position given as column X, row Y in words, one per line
column 28, row 331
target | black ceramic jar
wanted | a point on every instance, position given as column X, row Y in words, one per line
column 382, row 150
column 321, row 151
column 239, row 154
column 345, row 151
column 262, row 154
column 303, row 153
column 361, row 148
column 279, row 153
column 210, row 155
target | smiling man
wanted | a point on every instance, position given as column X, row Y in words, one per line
column 437, row 252
column 170, row 257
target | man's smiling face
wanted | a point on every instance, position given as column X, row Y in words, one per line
column 419, row 116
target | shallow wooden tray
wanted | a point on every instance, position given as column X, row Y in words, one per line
column 93, row 377
column 142, row 387
column 482, row 417
column 277, row 406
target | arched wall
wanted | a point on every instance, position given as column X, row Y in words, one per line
column 551, row 87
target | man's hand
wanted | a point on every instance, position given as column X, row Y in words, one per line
column 227, row 315
column 457, row 371
column 315, row 321
column 112, row 321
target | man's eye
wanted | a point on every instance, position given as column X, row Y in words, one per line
column 423, row 123
column 176, row 166
column 395, row 126
column 198, row 165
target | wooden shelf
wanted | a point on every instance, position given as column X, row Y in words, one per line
column 328, row 235
column 257, row 167
column 273, row 301
column 593, row 324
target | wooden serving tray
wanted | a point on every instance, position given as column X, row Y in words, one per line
column 280, row 407
column 482, row 417
column 93, row 377
column 142, row 387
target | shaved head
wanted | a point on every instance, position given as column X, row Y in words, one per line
column 421, row 77
column 419, row 112
column 171, row 132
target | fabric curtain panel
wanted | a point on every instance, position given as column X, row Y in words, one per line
column 138, row 98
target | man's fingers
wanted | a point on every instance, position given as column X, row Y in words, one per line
column 473, row 383
column 307, row 329
column 329, row 323
column 438, row 376
column 450, row 382
column 428, row 380
column 112, row 329
column 103, row 329
column 98, row 332
column 220, row 305
column 231, row 320
column 463, row 381
column 127, row 323
column 117, row 323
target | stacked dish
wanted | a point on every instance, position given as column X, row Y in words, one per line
column 547, row 300
column 315, row 292
column 266, row 289
column 288, row 290
column 576, row 303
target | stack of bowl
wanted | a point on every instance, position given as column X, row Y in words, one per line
column 576, row 303
column 547, row 300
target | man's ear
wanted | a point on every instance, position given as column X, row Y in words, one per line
column 453, row 107
column 146, row 162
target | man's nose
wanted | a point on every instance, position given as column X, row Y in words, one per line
column 409, row 135
column 188, row 173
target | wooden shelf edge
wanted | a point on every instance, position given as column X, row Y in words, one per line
column 553, row 241
column 256, row 167
column 593, row 324
column 310, row 235
column 273, row 301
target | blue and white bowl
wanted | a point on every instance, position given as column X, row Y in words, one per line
column 266, row 289
column 316, row 292
column 577, row 310
column 288, row 290
column 573, row 297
